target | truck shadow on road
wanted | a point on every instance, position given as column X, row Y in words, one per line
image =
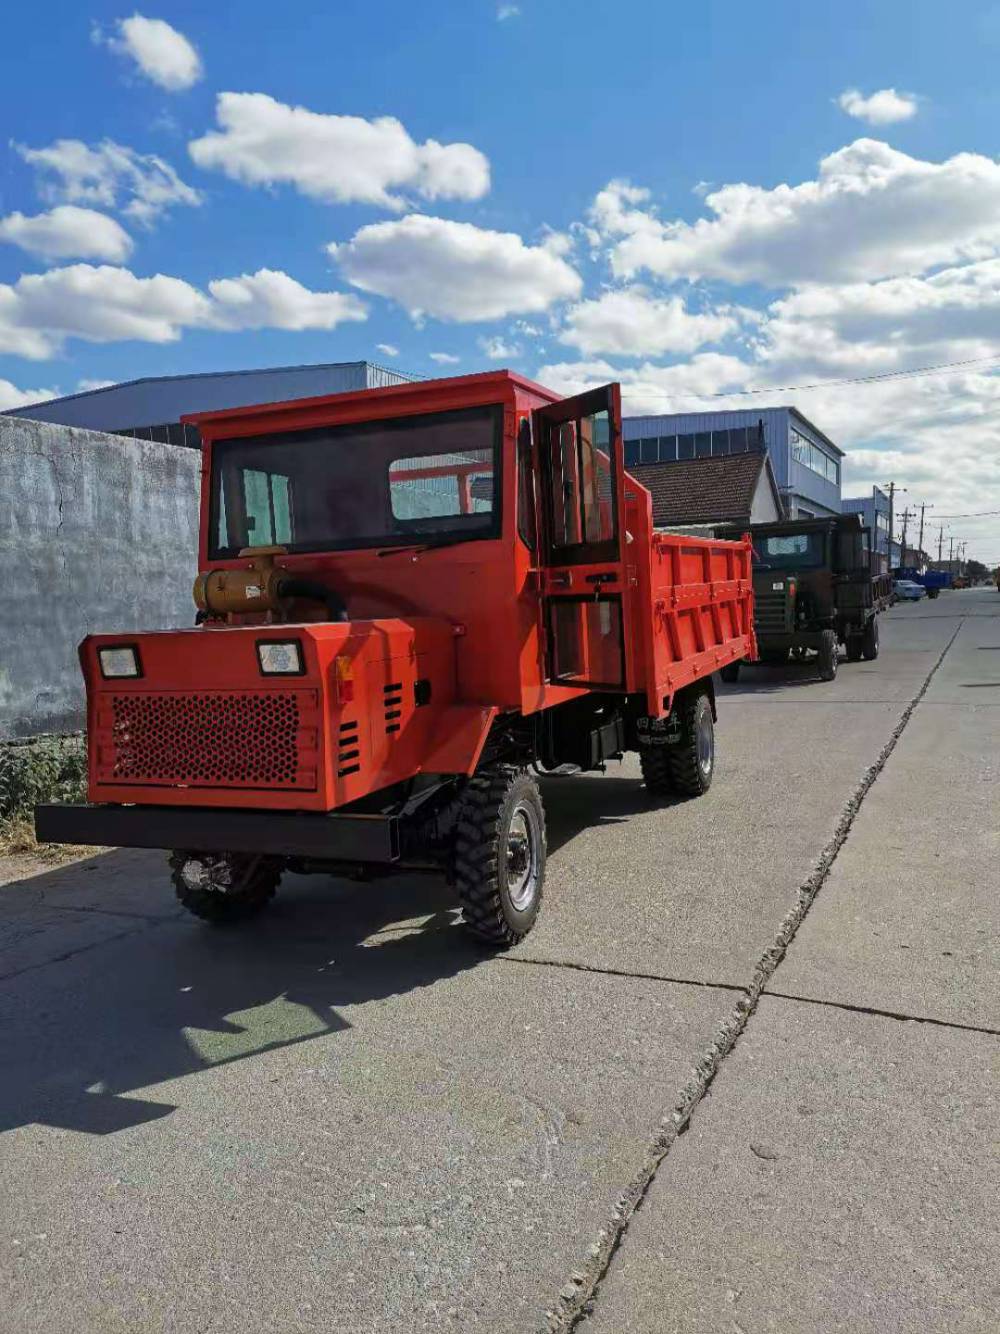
column 172, row 997
column 160, row 998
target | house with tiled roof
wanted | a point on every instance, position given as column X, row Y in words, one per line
column 708, row 492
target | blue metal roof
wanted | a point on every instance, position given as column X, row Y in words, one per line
column 155, row 400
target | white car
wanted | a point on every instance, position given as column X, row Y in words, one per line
column 907, row 591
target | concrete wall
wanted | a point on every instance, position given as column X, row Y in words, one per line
column 97, row 532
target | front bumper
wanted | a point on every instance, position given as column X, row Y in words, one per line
column 350, row 838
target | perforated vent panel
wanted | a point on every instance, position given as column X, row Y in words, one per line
column 210, row 739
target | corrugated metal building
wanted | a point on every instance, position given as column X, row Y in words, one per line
column 151, row 408
column 874, row 511
column 806, row 463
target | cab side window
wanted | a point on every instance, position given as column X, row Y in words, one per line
column 525, row 487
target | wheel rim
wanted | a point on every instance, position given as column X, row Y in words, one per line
column 213, row 874
column 522, row 856
column 705, row 737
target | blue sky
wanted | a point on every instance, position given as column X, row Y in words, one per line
column 482, row 226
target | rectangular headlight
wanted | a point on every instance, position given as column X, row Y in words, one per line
column 280, row 657
column 122, row 660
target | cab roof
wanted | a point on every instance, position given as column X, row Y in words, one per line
column 420, row 396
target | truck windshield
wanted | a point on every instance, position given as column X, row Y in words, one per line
column 791, row 551
column 368, row 484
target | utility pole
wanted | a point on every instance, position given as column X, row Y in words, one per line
column 940, row 542
column 920, row 539
column 951, row 555
column 892, row 488
column 906, row 519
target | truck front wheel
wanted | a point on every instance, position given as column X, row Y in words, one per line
column 224, row 887
column 829, row 654
column 500, row 854
column 869, row 641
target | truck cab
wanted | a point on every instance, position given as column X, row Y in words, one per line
column 813, row 591
column 410, row 601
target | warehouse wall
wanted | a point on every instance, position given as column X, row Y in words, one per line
column 97, row 532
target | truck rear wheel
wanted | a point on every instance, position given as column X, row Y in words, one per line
column 869, row 640
column 933, row 592
column 731, row 671
column 691, row 759
column 500, row 854
column 829, row 655
column 855, row 647
column 657, row 773
column 224, row 887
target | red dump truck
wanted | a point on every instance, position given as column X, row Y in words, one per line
column 412, row 601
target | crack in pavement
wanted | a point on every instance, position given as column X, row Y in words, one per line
column 149, row 925
column 576, row 1298
column 884, row 1014
column 621, row 972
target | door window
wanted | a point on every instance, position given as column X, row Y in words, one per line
column 583, row 510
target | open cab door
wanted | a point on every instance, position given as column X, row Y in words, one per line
column 581, row 462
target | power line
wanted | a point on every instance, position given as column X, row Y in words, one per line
column 976, row 514
column 917, row 373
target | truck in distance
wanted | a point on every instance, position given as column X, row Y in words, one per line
column 411, row 602
column 813, row 591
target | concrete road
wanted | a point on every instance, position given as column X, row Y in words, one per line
column 345, row 1117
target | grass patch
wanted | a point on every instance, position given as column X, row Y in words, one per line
column 52, row 768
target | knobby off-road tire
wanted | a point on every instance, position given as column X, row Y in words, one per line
column 657, row 773
column 829, row 655
column 869, row 640
column 231, row 889
column 691, row 758
column 731, row 672
column 499, row 864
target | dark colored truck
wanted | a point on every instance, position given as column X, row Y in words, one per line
column 813, row 591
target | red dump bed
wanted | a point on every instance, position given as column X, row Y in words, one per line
column 692, row 612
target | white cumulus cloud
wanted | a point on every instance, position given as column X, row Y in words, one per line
column 871, row 212
column 454, row 270
column 103, row 304
column 498, row 349
column 110, row 175
column 272, row 300
column 337, row 159
column 444, row 358
column 893, row 324
column 387, row 349
column 633, row 323
column 68, row 232
column 12, row 397
column 165, row 56
column 649, row 388
column 885, row 107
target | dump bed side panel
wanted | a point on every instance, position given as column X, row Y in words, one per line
column 699, row 612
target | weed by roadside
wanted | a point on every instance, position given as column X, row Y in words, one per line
column 40, row 770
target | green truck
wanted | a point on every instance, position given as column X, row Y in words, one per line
column 813, row 591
